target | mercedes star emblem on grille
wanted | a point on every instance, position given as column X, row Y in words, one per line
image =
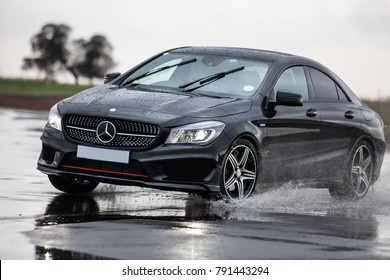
column 106, row 131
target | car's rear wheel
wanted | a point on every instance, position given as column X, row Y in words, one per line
column 359, row 174
column 72, row 185
column 240, row 167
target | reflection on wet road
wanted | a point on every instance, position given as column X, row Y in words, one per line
column 117, row 222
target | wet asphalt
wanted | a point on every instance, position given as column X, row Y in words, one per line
column 118, row 222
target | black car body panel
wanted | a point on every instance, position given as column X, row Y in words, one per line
column 141, row 104
column 314, row 141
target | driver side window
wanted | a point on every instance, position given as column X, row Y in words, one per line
column 292, row 80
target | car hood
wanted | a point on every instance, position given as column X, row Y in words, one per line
column 152, row 106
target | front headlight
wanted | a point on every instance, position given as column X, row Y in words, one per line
column 196, row 133
column 55, row 118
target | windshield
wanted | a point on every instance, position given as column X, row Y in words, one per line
column 205, row 74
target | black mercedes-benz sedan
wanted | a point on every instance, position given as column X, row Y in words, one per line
column 221, row 121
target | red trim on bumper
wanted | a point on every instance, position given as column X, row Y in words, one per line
column 104, row 171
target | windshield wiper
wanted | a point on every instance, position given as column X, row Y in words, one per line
column 210, row 79
column 154, row 71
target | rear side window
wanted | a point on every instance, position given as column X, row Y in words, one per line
column 324, row 87
column 341, row 93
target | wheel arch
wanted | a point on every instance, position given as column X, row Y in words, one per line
column 373, row 147
column 370, row 142
column 250, row 137
column 256, row 144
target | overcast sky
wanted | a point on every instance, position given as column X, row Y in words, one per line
column 351, row 37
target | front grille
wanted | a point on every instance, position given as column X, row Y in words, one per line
column 121, row 170
column 128, row 133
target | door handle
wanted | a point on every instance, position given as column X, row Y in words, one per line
column 349, row 115
column 311, row 113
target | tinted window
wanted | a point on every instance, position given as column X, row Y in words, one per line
column 341, row 93
column 324, row 87
column 292, row 80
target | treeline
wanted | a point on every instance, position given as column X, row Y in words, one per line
column 54, row 51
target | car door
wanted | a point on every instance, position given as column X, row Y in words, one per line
column 340, row 125
column 293, row 131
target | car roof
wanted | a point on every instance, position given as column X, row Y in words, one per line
column 237, row 52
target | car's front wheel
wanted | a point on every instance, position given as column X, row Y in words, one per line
column 240, row 168
column 72, row 185
column 359, row 174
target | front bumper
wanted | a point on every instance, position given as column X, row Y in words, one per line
column 188, row 168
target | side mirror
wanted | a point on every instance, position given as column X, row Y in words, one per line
column 288, row 99
column 111, row 76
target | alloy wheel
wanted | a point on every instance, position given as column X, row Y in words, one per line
column 239, row 173
column 361, row 171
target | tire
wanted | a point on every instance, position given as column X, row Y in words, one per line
column 240, row 171
column 72, row 185
column 359, row 175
